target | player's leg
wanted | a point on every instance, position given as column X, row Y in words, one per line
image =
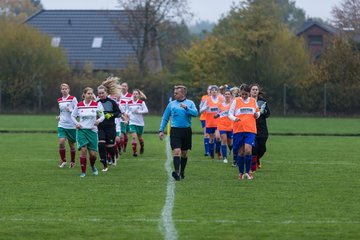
column 218, row 144
column 71, row 136
column 223, row 137
column 62, row 150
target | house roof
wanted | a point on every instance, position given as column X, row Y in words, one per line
column 77, row 29
column 310, row 23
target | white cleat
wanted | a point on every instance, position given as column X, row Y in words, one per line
column 62, row 165
column 105, row 170
column 225, row 160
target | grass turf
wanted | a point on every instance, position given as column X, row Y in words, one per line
column 307, row 189
column 276, row 125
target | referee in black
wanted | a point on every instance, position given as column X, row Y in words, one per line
column 181, row 110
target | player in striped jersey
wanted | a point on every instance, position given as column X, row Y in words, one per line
column 137, row 108
column 66, row 128
column 90, row 114
column 124, row 100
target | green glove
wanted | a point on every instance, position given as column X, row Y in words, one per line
column 108, row 115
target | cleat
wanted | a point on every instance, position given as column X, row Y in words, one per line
column 62, row 164
column 72, row 165
column 175, row 176
column 206, row 154
column 219, row 156
column 95, row 171
column 82, row 175
column 135, row 154
column 241, row 176
column 105, row 169
column 225, row 160
column 249, row 176
column 182, row 175
column 234, row 164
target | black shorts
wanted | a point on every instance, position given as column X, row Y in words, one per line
column 107, row 134
column 180, row 138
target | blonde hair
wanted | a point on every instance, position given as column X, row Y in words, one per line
column 112, row 86
column 64, row 85
column 86, row 90
column 141, row 94
column 182, row 87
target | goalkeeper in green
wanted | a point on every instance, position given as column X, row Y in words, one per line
column 107, row 128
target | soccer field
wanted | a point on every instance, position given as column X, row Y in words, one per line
column 308, row 188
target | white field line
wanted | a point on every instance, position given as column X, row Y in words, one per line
column 166, row 223
column 223, row 221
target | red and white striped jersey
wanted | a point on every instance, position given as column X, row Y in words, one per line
column 135, row 111
column 124, row 103
column 88, row 114
column 66, row 106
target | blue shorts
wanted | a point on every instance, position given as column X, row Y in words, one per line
column 242, row 138
column 203, row 123
column 229, row 134
column 211, row 130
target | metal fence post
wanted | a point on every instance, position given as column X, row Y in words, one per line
column 325, row 99
column 284, row 99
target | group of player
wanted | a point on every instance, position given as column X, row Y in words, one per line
column 100, row 124
column 235, row 119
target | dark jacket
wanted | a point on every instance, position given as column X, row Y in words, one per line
column 111, row 107
column 261, row 125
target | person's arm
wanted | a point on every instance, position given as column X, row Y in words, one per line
column 144, row 109
column 116, row 110
column 232, row 111
column 74, row 115
column 203, row 106
column 266, row 113
column 165, row 118
column 100, row 113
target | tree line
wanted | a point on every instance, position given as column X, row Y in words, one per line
column 255, row 42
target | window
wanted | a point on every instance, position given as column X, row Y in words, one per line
column 97, row 42
column 316, row 40
column 55, row 42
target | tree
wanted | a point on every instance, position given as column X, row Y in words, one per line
column 18, row 10
column 144, row 19
column 30, row 68
column 250, row 44
column 347, row 17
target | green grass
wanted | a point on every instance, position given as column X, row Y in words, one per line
column 307, row 189
column 296, row 195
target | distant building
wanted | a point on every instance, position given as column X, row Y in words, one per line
column 317, row 36
column 89, row 37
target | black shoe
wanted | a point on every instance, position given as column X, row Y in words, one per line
column 175, row 176
column 141, row 150
column 135, row 154
column 182, row 175
column 104, row 163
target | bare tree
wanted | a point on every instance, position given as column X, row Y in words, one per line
column 144, row 19
column 18, row 10
column 347, row 17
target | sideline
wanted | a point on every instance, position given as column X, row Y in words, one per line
column 166, row 223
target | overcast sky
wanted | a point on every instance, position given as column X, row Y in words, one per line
column 203, row 9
